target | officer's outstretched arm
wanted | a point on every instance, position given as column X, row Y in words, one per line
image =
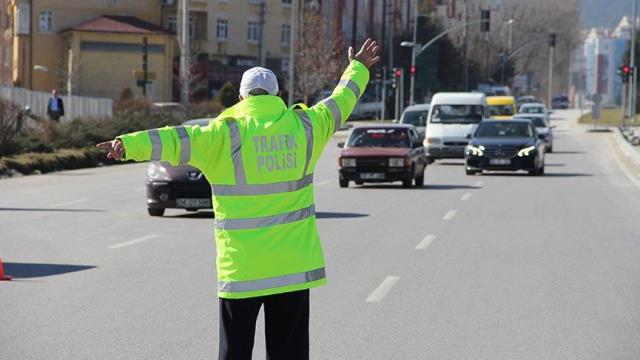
column 334, row 111
column 178, row 145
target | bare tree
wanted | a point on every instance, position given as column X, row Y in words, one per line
column 319, row 59
column 533, row 21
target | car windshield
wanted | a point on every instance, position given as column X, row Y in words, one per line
column 504, row 129
column 456, row 114
column 500, row 110
column 532, row 110
column 380, row 137
column 417, row 118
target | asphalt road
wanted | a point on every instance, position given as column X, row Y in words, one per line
column 498, row 266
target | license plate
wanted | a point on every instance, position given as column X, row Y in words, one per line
column 369, row 176
column 500, row 161
column 193, row 203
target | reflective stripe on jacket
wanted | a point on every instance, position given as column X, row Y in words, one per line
column 259, row 158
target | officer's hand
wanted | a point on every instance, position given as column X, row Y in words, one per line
column 368, row 54
column 115, row 149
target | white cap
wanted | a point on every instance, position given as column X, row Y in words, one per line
column 258, row 78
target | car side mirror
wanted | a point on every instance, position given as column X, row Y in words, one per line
column 341, row 144
column 541, row 136
column 468, row 136
column 395, row 121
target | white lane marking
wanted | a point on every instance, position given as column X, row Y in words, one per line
column 383, row 289
column 449, row 215
column 465, row 196
column 325, row 182
column 478, row 183
column 134, row 241
column 67, row 203
column 426, row 242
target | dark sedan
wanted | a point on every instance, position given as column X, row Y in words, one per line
column 181, row 187
column 505, row 145
column 382, row 153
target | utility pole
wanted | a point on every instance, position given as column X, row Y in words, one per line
column 145, row 65
column 552, row 45
column 465, row 47
column 413, row 53
column 184, row 53
column 261, row 14
column 634, row 78
column 383, row 110
column 292, row 51
column 354, row 25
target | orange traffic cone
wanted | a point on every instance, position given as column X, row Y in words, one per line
column 3, row 277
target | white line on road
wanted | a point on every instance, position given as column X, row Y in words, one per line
column 478, row 183
column 449, row 215
column 426, row 242
column 465, row 196
column 134, row 241
column 383, row 289
column 325, row 182
column 67, row 203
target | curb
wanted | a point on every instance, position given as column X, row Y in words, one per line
column 629, row 150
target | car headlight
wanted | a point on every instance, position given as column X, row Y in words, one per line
column 156, row 171
column 526, row 151
column 475, row 150
column 431, row 140
column 396, row 162
column 348, row 162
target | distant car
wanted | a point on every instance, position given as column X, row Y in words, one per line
column 501, row 107
column 416, row 115
column 382, row 153
column 505, row 145
column 174, row 108
column 560, row 102
column 533, row 108
column 182, row 187
column 541, row 122
column 525, row 99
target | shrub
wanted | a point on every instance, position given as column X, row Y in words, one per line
column 65, row 159
column 228, row 95
column 9, row 113
column 128, row 101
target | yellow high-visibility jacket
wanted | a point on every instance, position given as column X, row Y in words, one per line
column 259, row 157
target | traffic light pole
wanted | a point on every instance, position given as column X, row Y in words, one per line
column 413, row 53
column 552, row 45
column 383, row 108
column 634, row 72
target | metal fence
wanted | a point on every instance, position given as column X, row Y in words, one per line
column 74, row 106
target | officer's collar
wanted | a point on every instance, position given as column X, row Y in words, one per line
column 259, row 106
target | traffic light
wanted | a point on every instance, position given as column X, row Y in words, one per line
column 552, row 40
column 395, row 75
column 485, row 20
column 624, row 71
column 413, row 70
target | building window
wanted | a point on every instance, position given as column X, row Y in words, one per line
column 223, row 29
column 285, row 65
column 172, row 25
column 286, row 2
column 285, row 35
column 253, row 32
column 46, row 21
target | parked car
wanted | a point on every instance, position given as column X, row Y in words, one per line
column 416, row 115
column 525, row 99
column 501, row 107
column 181, row 187
column 451, row 117
column 505, row 145
column 560, row 102
column 382, row 153
column 541, row 122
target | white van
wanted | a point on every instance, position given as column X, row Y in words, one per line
column 451, row 117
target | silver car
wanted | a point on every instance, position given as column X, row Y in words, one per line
column 541, row 122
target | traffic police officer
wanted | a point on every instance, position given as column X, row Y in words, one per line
column 259, row 157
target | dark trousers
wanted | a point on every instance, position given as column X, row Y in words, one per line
column 286, row 318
